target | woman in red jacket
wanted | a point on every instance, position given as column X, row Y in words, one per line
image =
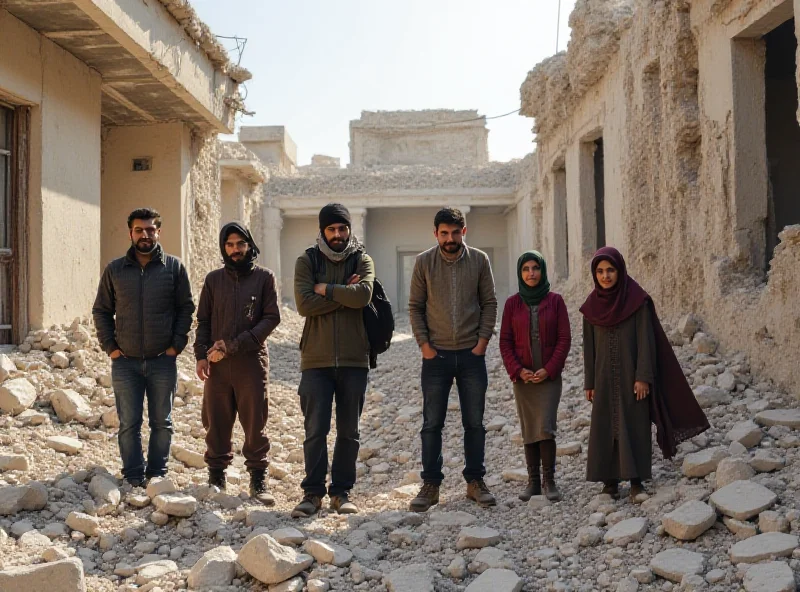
column 534, row 342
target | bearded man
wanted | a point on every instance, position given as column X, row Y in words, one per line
column 143, row 312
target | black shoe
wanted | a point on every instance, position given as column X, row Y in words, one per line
column 549, row 488
column 216, row 478
column 534, row 486
column 478, row 492
column 259, row 489
column 310, row 505
column 428, row 496
column 342, row 504
column 143, row 482
column 636, row 489
column 611, row 488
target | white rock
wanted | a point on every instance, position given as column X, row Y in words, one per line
column 774, row 576
column 626, row 531
column 64, row 444
column 138, row 500
column 416, row 577
column 628, row 584
column 155, row 570
column 270, row 562
column 70, row 405
column 742, row 499
column 780, row 417
column 174, row 504
column 690, row 520
column 110, row 418
column 741, row 528
column 733, row 469
column 700, row 464
column 289, row 536
column 7, row 367
column 54, row 554
column 673, row 564
column 293, row 585
column 457, row 568
column 765, row 461
column 496, row 580
column 279, row 470
column 14, row 462
column 329, row 553
column 519, row 474
column 704, row 344
column 405, row 492
column 589, row 536
column 569, row 449
column 58, row 576
column 726, row 381
column 216, row 567
column 105, row 490
column 188, row 457
column 315, row 585
column 451, row 519
column 772, row 522
column 689, row 325
column 160, row 486
column 88, row 525
column 709, row 396
column 763, row 547
column 747, row 433
column 538, row 502
column 33, row 540
column 477, row 537
column 159, row 518
column 16, row 395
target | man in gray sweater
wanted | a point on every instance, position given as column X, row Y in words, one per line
column 453, row 309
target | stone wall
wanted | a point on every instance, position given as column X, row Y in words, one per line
column 671, row 87
column 203, row 213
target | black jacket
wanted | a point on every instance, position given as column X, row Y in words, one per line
column 153, row 306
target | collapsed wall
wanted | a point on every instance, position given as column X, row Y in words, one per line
column 651, row 84
column 203, row 210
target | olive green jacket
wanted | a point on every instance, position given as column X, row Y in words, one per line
column 334, row 335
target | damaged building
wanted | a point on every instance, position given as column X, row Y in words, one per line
column 669, row 129
column 104, row 107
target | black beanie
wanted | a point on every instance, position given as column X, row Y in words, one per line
column 333, row 213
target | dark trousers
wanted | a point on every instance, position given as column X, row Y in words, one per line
column 319, row 388
column 133, row 380
column 237, row 385
column 469, row 373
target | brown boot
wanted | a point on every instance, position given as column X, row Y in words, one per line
column 611, row 488
column 548, row 449
column 428, row 496
column 258, row 487
column 478, row 492
column 532, row 459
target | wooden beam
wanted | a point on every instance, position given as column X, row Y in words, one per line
column 73, row 34
column 119, row 98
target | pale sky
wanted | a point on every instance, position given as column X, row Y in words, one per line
column 317, row 64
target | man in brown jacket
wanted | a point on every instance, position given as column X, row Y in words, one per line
column 332, row 285
column 237, row 312
column 453, row 308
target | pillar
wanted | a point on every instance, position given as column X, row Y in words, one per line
column 358, row 226
column 272, row 223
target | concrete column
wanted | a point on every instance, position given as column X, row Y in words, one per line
column 358, row 227
column 272, row 223
column 580, row 205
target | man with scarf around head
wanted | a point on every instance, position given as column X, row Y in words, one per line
column 143, row 312
column 332, row 284
column 237, row 312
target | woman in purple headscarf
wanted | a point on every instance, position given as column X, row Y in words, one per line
column 632, row 378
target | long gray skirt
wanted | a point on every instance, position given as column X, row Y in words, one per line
column 537, row 408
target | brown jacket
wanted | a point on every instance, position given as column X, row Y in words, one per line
column 452, row 304
column 334, row 335
column 241, row 310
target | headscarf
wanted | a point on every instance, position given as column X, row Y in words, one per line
column 673, row 407
column 609, row 307
column 532, row 296
column 248, row 263
column 353, row 245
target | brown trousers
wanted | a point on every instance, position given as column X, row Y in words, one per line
column 237, row 384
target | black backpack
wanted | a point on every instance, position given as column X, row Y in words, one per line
column 378, row 315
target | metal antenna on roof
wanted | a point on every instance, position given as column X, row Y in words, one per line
column 558, row 23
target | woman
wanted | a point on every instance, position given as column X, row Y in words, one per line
column 632, row 378
column 534, row 341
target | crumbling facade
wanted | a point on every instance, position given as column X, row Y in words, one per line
column 404, row 166
column 669, row 129
column 104, row 107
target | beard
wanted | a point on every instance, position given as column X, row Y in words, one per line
column 452, row 247
column 337, row 245
column 145, row 246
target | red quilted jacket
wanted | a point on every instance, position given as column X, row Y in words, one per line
column 554, row 335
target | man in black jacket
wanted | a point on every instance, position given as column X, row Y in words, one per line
column 237, row 312
column 143, row 312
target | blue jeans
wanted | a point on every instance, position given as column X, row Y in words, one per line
column 318, row 389
column 133, row 379
column 469, row 373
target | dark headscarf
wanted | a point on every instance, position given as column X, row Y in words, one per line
column 334, row 213
column 532, row 296
column 673, row 407
column 247, row 264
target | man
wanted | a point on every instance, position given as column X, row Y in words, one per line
column 453, row 308
column 332, row 285
column 237, row 312
column 143, row 312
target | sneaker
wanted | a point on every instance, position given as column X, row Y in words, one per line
column 216, row 478
column 341, row 504
column 428, row 496
column 259, row 489
column 310, row 505
column 478, row 492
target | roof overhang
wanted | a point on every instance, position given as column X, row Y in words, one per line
column 243, row 169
